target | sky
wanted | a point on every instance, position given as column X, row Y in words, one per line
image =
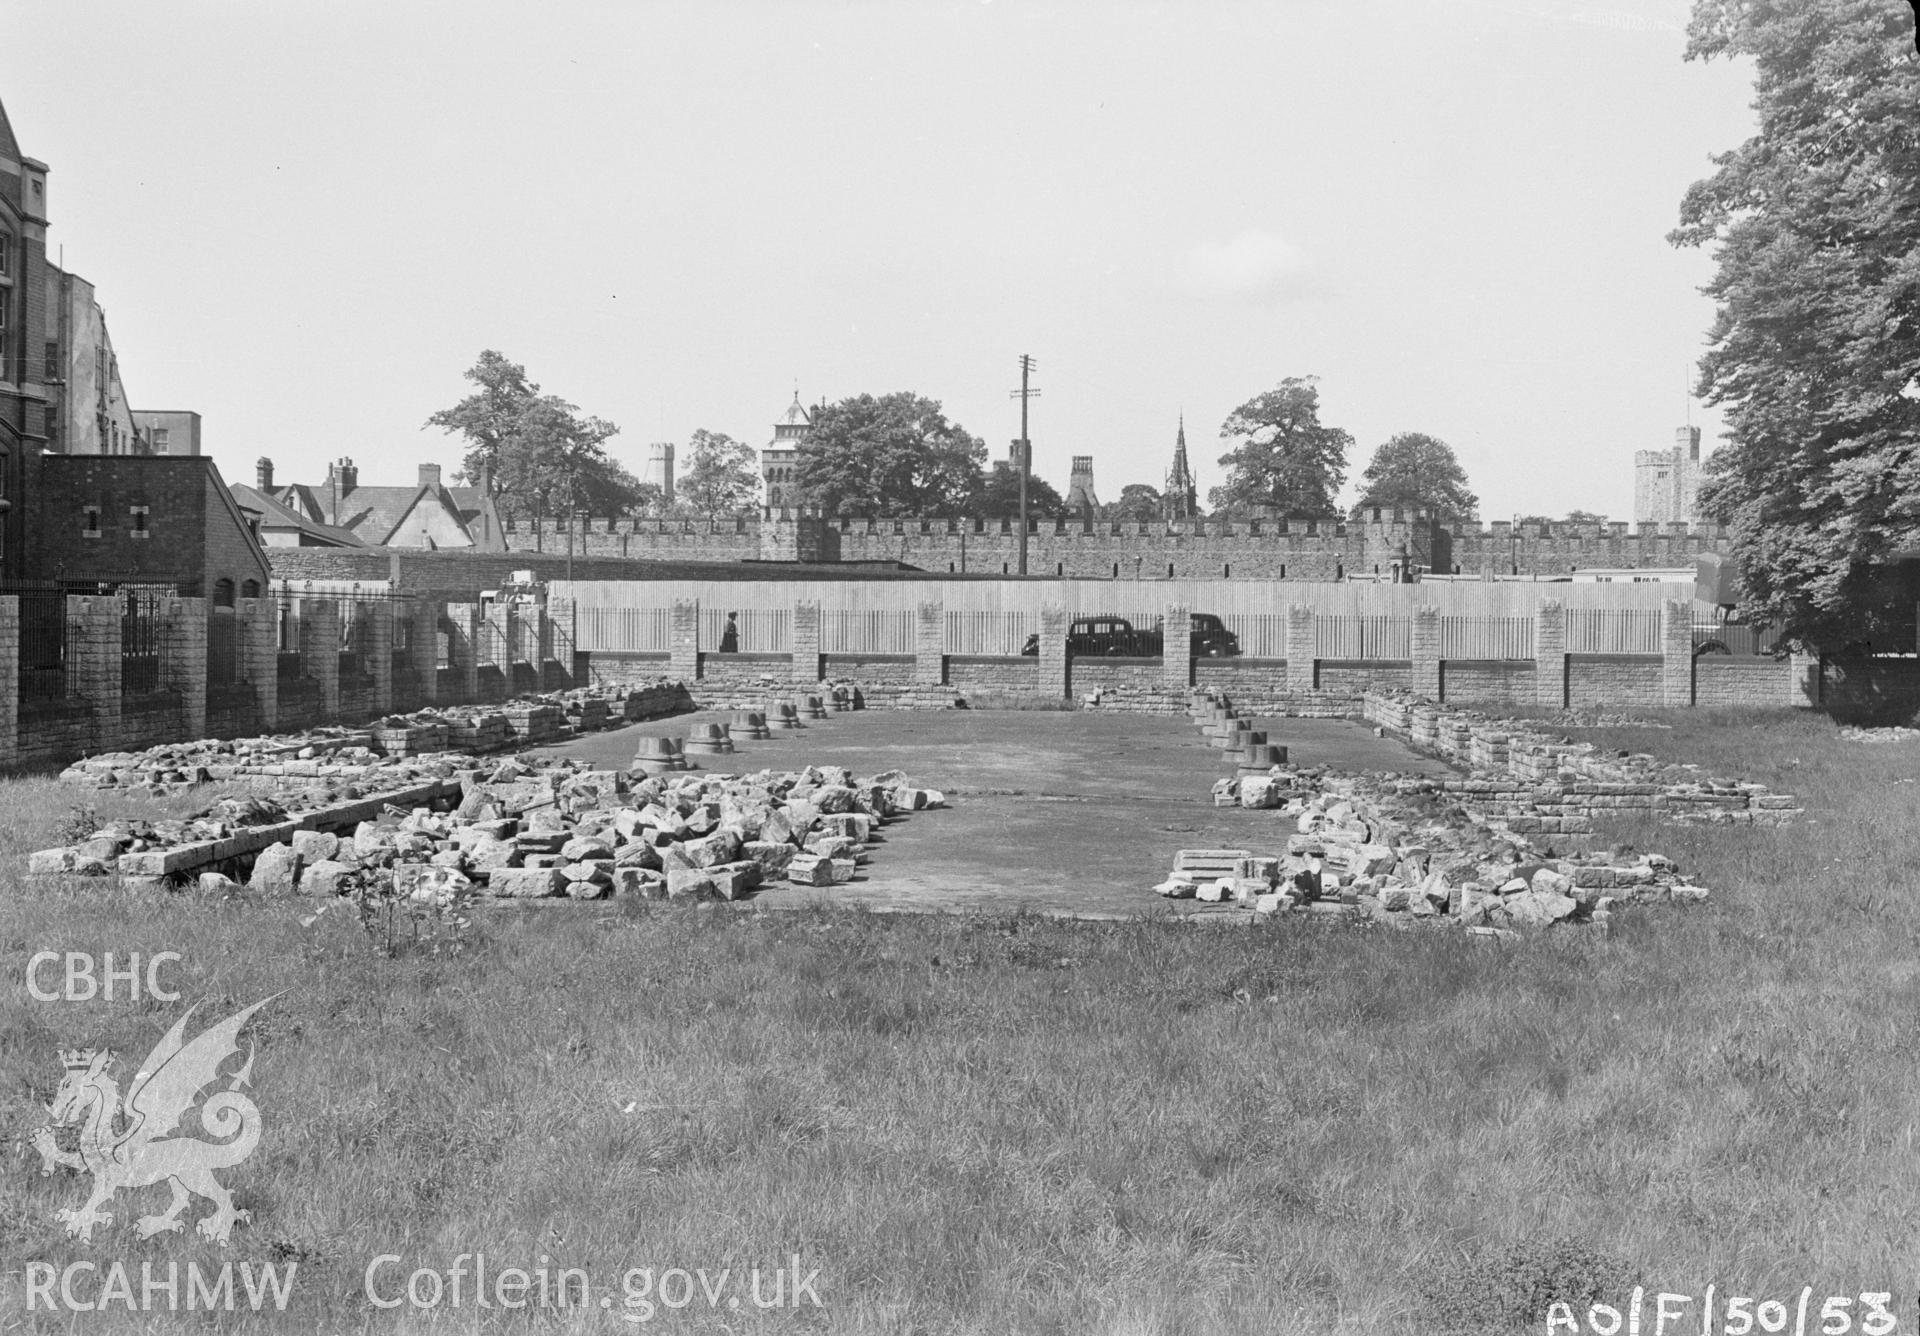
column 306, row 220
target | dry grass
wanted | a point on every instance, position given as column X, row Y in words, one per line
column 1023, row 1125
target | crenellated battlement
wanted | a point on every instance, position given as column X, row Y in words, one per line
column 1377, row 542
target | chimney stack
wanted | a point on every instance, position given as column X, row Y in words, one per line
column 263, row 473
column 429, row 475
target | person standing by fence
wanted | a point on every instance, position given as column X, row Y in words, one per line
column 730, row 637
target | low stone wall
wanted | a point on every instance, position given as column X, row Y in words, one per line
column 301, row 705
column 1534, row 782
column 1350, row 677
column 1254, row 681
column 233, row 711
column 151, row 717
column 1088, row 674
column 1613, row 679
column 1487, row 681
column 1000, row 674
column 1720, row 680
column 53, row 732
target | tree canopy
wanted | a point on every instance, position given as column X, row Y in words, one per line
column 1137, row 502
column 1286, row 457
column 1815, row 349
column 1415, row 471
column 543, row 456
column 892, row 455
column 998, row 496
column 721, row 474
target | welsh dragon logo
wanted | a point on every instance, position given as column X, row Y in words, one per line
column 150, row 1148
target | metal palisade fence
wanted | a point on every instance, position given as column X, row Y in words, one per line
column 869, row 632
column 1486, row 637
column 1370, row 637
column 1613, row 630
column 989, row 633
column 755, row 630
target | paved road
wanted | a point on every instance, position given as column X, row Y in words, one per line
column 1052, row 812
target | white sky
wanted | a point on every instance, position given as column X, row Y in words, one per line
column 305, row 220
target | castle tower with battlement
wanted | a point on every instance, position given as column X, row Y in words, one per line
column 1666, row 483
column 660, row 469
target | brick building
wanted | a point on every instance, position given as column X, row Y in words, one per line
column 167, row 431
column 147, row 519
column 24, row 333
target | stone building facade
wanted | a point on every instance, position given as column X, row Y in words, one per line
column 1666, row 483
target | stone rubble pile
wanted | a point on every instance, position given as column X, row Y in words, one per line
column 1367, row 845
column 338, row 753
column 521, row 830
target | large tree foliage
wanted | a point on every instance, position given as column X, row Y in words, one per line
column 1138, row 501
column 1815, row 348
column 544, row 458
column 892, row 455
column 1415, row 471
column 1286, row 458
column 721, row 474
column 998, row 496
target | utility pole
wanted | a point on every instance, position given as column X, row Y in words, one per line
column 1023, row 450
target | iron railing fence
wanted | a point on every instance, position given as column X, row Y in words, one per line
column 1262, row 635
column 1613, row 630
column 885, row 631
column 46, row 660
column 1486, row 637
column 989, row 633
column 754, row 630
column 635, row 630
column 1362, row 637
column 224, row 665
column 140, row 642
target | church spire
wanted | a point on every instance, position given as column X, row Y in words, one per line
column 1180, row 499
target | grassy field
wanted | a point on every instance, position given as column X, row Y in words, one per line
column 1021, row 1125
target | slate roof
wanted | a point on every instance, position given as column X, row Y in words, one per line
column 274, row 515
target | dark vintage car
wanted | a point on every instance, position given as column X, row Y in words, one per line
column 1115, row 636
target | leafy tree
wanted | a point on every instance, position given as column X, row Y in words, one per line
column 1286, row 457
column 1815, row 348
column 1138, row 501
column 1415, row 471
column 722, row 475
column 998, row 496
column 894, row 455
column 544, row 457
column 1585, row 517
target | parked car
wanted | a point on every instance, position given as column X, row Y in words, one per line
column 1111, row 637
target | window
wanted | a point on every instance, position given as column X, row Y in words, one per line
column 90, row 522
column 53, row 360
column 250, row 589
column 138, row 528
column 6, row 253
column 223, row 593
column 161, row 437
column 6, row 346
